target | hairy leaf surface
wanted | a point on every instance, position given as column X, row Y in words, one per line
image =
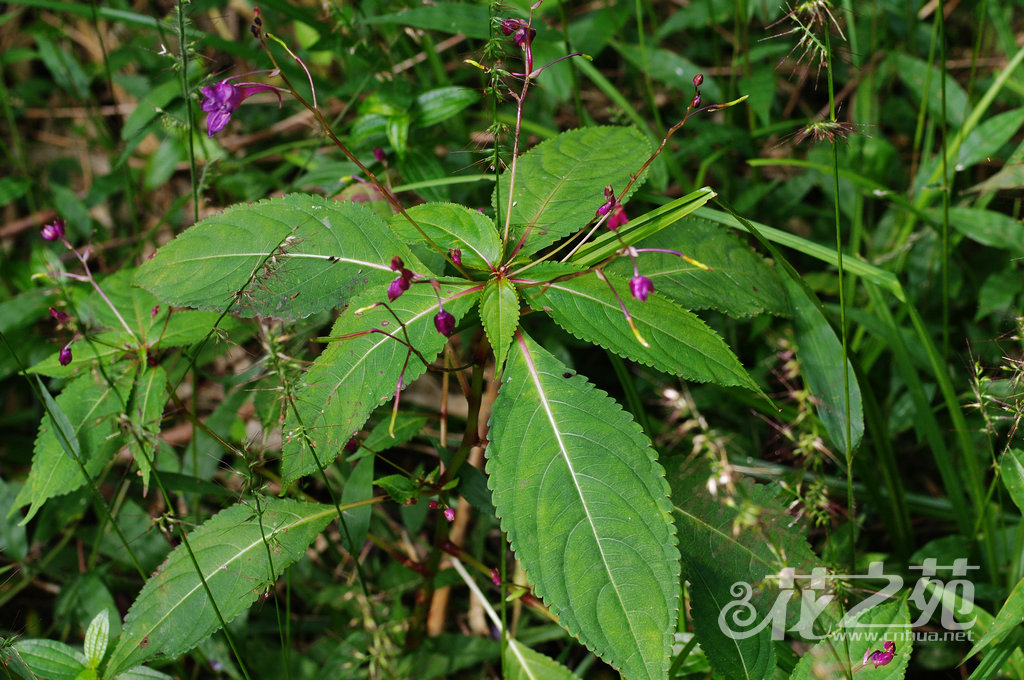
column 585, row 504
column 173, row 613
column 285, row 257
column 679, row 342
column 560, row 183
column 354, row 375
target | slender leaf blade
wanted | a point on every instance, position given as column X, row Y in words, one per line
column 499, row 312
column 1006, row 621
column 560, row 183
column 285, row 257
column 1011, row 471
column 173, row 613
column 144, row 414
column 585, row 504
column 356, row 374
column 679, row 342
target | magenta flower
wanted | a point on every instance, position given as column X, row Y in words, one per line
column 444, row 322
column 449, row 514
column 221, row 100
column 495, row 577
column 379, row 155
column 617, row 218
column 456, row 255
column 58, row 316
column 520, row 31
column 54, row 231
column 402, row 283
column 880, row 658
column 640, row 286
column 65, row 355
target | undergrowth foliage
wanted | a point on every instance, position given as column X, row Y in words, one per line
column 456, row 331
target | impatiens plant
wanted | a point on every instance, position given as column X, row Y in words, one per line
column 467, row 292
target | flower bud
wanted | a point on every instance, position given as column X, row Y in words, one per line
column 444, row 322
column 379, row 155
column 65, row 355
column 640, row 286
column 449, row 514
column 58, row 316
column 456, row 255
column 397, row 287
column 698, row 80
column 495, row 577
column 696, row 101
column 396, row 263
column 54, row 231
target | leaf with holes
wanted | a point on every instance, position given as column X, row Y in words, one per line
column 285, row 257
column 240, row 554
column 585, row 504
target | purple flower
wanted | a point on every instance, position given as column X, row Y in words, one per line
column 456, row 255
column 379, row 155
column 495, row 577
column 221, row 100
column 432, row 505
column 618, row 217
column 444, row 322
column 609, row 202
column 520, row 31
column 59, row 317
column 397, row 287
column 698, row 80
column 65, row 355
column 449, row 514
column 54, row 231
column 640, row 287
column 881, row 658
column 153, row 312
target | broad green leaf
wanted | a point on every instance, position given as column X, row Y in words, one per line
column 1011, row 471
column 173, row 613
column 384, row 435
column 923, row 79
column 91, row 407
column 585, row 504
column 986, row 227
column 837, row 656
column 678, row 341
column 358, row 487
column 51, row 659
column 499, row 312
column 559, row 183
column 434, row 106
column 820, row 353
column 1006, row 621
column 96, row 637
column 719, row 551
column 12, row 662
column 988, row 138
column 450, row 225
column 449, row 17
column 142, row 673
column 356, row 374
column 739, row 284
column 144, row 415
column 284, row 257
column 522, row 663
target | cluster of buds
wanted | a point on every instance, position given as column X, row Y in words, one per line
column 881, row 658
column 402, row 283
column 613, row 209
column 520, row 30
column 449, row 513
column 55, row 231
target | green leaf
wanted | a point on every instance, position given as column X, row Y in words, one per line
column 440, row 104
column 923, row 80
column 142, row 673
column 144, row 416
column 679, row 342
column 988, row 138
column 585, row 504
column 560, row 182
column 820, row 353
column 355, row 375
column 522, row 663
column 986, row 227
column 286, row 258
column 91, row 407
column 718, row 551
column 1007, row 620
column 450, row 225
column 835, row 656
column 448, row 17
column 12, row 662
column 51, row 659
column 739, row 284
column 499, row 312
column 358, row 487
column 1011, row 471
column 96, row 637
column 238, row 557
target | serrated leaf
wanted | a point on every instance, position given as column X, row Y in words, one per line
column 355, row 375
column 90, row 406
column 51, row 659
column 679, row 342
column 172, row 613
column 739, row 284
column 835, row 658
column 560, row 182
column 451, row 225
column 499, row 312
column 585, row 504
column 820, row 353
column 144, row 415
column 1011, row 471
column 522, row 663
column 96, row 639
column 716, row 556
column 285, row 257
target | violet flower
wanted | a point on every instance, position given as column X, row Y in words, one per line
column 54, row 231
column 444, row 322
column 65, row 355
column 58, row 316
column 221, row 100
column 449, row 514
column 640, row 286
column 617, row 218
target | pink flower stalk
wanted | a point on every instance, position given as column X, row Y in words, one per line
column 54, row 231
column 221, row 100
